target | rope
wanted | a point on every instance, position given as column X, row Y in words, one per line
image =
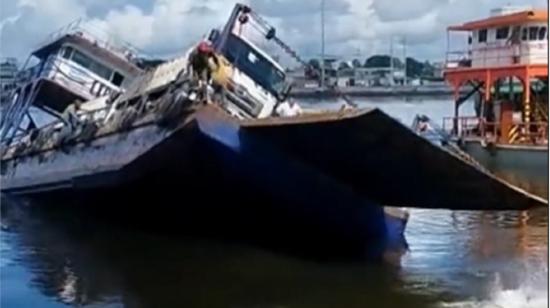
column 296, row 56
column 447, row 142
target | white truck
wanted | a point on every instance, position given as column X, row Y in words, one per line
column 256, row 82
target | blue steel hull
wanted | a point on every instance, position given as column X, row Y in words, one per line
column 323, row 176
column 211, row 177
column 301, row 192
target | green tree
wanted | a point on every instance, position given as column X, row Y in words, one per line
column 313, row 69
column 414, row 68
column 382, row 61
column 315, row 64
column 343, row 66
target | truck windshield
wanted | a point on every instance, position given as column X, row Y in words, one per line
column 254, row 64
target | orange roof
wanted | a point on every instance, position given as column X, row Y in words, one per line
column 503, row 20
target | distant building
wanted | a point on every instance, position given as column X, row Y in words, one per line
column 377, row 76
column 439, row 68
column 8, row 74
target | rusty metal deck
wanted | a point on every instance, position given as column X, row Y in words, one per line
column 382, row 160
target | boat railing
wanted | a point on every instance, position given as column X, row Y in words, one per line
column 99, row 37
column 57, row 67
column 462, row 126
column 468, row 127
column 90, row 116
column 528, row 133
column 494, row 55
column 458, row 59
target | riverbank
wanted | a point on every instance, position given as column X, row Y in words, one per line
column 377, row 91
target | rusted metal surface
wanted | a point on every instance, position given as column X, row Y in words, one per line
column 385, row 161
column 158, row 77
column 306, row 118
column 110, row 150
column 212, row 110
column 376, row 156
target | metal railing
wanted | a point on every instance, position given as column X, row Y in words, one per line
column 90, row 116
column 462, row 126
column 496, row 55
column 529, row 133
column 534, row 133
column 87, row 81
column 100, row 37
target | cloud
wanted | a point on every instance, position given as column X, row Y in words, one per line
column 32, row 21
column 398, row 10
column 166, row 27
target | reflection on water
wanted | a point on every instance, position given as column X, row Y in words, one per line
column 55, row 257
column 68, row 257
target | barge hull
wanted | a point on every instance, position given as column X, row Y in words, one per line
column 251, row 187
column 524, row 166
column 386, row 162
column 366, row 151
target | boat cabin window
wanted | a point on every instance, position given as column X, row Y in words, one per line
column 543, row 34
column 86, row 62
column 99, row 69
column 67, row 53
column 482, row 36
column 502, row 33
column 533, row 33
column 117, row 79
column 524, row 34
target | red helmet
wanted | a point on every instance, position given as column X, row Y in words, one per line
column 205, row 47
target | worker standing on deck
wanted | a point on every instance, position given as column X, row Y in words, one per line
column 203, row 61
column 70, row 114
column 288, row 108
column 515, row 42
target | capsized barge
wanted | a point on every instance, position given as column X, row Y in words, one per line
column 163, row 137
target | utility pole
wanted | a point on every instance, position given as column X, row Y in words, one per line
column 322, row 43
column 405, row 58
column 391, row 61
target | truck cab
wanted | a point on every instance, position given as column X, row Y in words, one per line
column 256, row 83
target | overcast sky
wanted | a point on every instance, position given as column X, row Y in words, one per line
column 166, row 27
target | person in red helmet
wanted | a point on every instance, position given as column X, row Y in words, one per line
column 200, row 61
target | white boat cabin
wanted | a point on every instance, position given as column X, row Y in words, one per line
column 510, row 36
column 76, row 65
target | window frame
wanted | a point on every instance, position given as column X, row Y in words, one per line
column 122, row 78
column 502, row 33
column 482, row 36
column 533, row 33
column 69, row 53
column 543, row 33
